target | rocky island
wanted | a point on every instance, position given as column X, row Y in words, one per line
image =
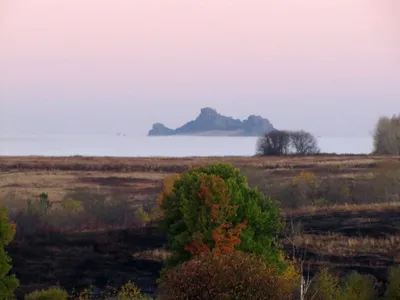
column 210, row 123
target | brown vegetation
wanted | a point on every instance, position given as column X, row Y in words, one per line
column 344, row 211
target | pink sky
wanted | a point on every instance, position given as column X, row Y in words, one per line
column 135, row 62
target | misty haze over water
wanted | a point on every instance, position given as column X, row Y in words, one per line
column 173, row 146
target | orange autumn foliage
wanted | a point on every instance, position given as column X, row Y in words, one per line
column 168, row 186
column 225, row 236
column 197, row 247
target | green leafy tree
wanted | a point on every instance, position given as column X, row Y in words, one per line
column 198, row 194
column 8, row 284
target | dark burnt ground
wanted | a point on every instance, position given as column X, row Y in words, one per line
column 376, row 232
column 79, row 260
column 377, row 224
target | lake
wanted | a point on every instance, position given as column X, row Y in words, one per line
column 131, row 146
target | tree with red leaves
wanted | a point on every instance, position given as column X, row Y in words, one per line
column 213, row 209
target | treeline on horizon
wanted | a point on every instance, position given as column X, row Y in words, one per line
column 386, row 140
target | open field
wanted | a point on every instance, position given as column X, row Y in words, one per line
column 29, row 175
column 344, row 215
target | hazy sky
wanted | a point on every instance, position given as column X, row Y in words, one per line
column 102, row 66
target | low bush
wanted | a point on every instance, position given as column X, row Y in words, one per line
column 386, row 182
column 233, row 275
column 326, row 286
column 49, row 294
column 107, row 207
column 354, row 286
column 393, row 287
column 130, row 291
column 357, row 286
column 142, row 216
column 71, row 206
column 40, row 206
column 79, row 210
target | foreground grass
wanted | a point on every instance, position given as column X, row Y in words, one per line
column 354, row 227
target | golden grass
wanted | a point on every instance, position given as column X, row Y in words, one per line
column 154, row 162
column 336, row 244
column 29, row 176
column 57, row 183
column 323, row 210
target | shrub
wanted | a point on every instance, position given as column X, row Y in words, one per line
column 8, row 284
column 357, row 286
column 354, row 286
column 393, row 287
column 214, row 206
column 40, row 206
column 291, row 276
column 326, row 286
column 103, row 206
column 72, row 206
column 308, row 189
column 131, row 291
column 235, row 275
column 49, row 294
column 141, row 215
column 306, row 186
column 386, row 182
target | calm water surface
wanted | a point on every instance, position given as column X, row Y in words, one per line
column 107, row 145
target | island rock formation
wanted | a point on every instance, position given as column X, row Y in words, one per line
column 210, row 123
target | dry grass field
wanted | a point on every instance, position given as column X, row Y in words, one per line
column 341, row 211
column 27, row 176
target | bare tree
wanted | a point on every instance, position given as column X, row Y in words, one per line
column 298, row 256
column 387, row 136
column 304, row 143
column 276, row 142
column 280, row 142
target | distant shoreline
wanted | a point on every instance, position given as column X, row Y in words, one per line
column 210, row 133
column 175, row 158
column 203, row 144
